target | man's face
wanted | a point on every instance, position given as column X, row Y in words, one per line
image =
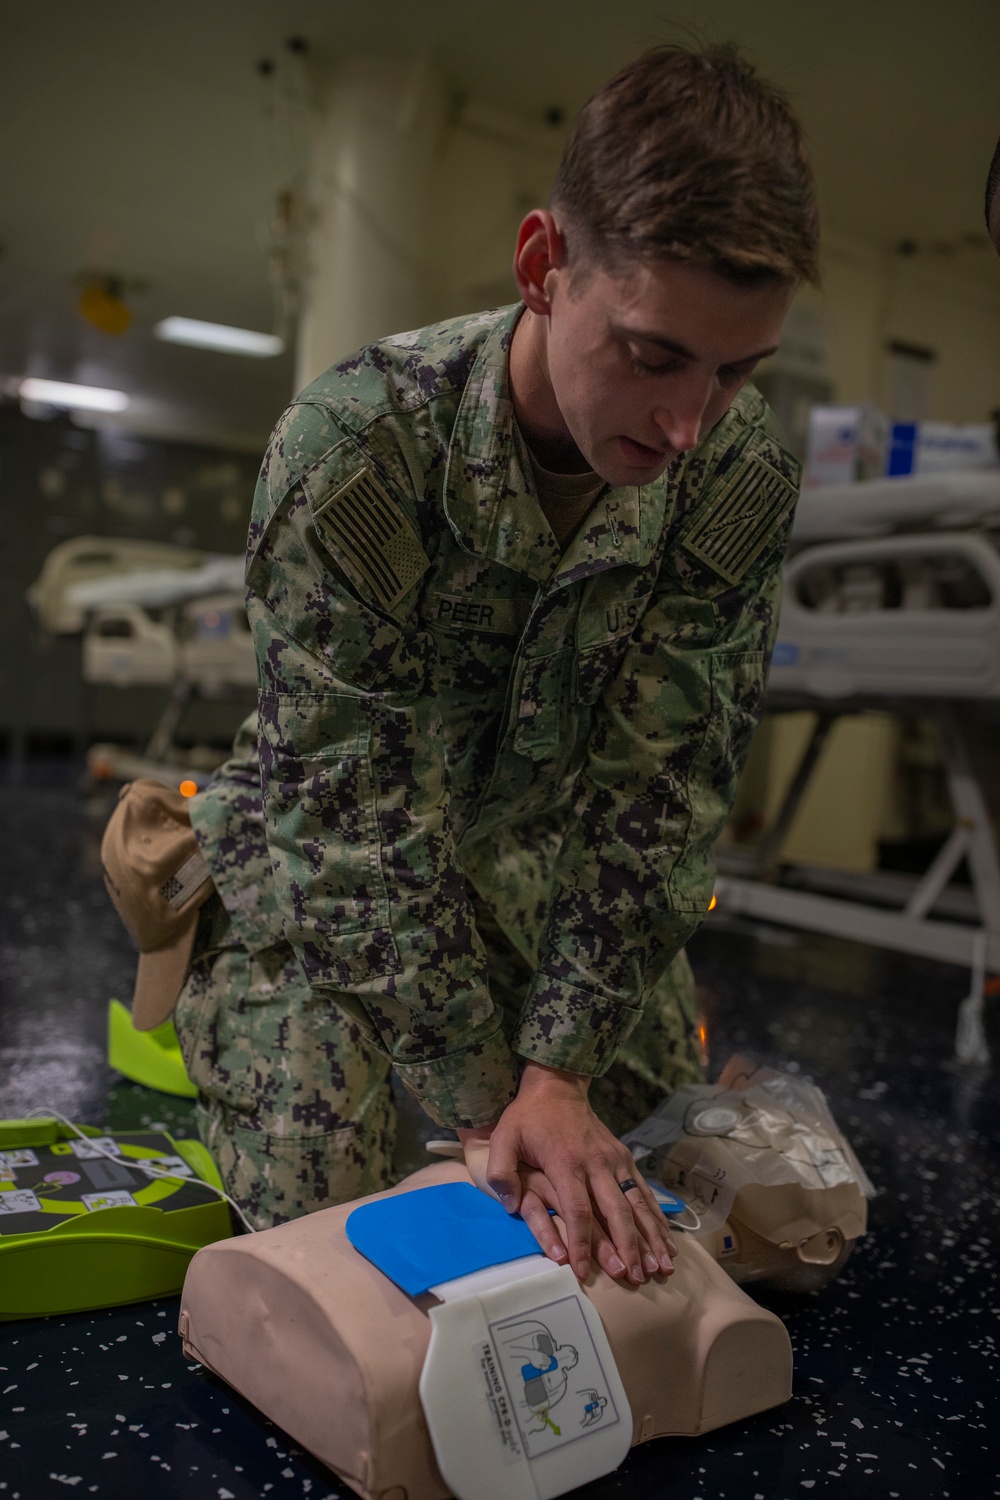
column 643, row 363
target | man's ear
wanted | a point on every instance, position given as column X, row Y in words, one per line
column 541, row 250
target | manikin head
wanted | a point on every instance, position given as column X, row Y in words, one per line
column 682, row 219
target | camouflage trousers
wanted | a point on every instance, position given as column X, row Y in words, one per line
column 295, row 1104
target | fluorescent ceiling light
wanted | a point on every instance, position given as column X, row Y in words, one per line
column 84, row 397
column 219, row 336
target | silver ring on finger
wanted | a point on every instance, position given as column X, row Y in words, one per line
column 629, row 1182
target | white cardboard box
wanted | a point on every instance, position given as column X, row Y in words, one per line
column 845, row 443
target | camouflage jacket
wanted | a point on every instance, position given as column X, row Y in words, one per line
column 442, row 689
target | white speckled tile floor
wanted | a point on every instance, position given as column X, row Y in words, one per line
column 896, row 1379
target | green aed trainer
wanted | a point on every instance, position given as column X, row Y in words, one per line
column 81, row 1229
column 152, row 1058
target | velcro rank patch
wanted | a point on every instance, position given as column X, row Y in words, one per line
column 745, row 514
column 366, row 532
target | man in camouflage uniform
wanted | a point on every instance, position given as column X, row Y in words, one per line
column 513, row 581
column 294, row 1104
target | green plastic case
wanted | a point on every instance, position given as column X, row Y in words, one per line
column 78, row 1231
column 149, row 1057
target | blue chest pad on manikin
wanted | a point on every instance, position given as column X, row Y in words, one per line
column 436, row 1234
column 519, row 1387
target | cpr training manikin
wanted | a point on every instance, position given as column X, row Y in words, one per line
column 418, row 1347
column 775, row 1192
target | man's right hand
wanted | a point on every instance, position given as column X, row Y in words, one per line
column 632, row 1241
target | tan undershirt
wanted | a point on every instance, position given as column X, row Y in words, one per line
column 565, row 498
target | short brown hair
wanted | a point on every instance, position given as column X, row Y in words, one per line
column 691, row 156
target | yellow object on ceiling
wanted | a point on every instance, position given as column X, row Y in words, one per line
column 102, row 306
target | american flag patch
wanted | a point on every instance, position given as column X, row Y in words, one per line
column 189, row 879
column 746, row 513
column 365, row 531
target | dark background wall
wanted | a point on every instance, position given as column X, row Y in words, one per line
column 58, row 480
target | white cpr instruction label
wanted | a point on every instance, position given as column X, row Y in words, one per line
column 118, row 1199
column 23, row 1158
column 20, row 1201
column 556, row 1384
column 518, row 1372
column 175, row 1165
column 94, row 1146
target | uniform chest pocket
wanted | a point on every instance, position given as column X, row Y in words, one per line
column 612, row 609
column 597, row 667
column 543, row 706
column 472, row 666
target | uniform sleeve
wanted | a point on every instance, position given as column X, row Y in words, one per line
column 669, row 739
column 356, row 803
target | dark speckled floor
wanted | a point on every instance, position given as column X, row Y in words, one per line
column 896, row 1362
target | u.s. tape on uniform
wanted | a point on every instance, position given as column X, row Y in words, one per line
column 511, row 1382
column 777, row 1192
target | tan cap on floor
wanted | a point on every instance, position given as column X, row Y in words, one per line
column 157, row 879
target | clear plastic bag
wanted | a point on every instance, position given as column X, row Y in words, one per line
column 773, row 1188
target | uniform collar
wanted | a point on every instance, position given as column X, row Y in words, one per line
column 489, row 492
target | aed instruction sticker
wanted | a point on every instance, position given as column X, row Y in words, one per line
column 15, row 1159
column 20, row 1201
column 94, row 1146
column 553, row 1376
column 175, row 1165
column 95, row 1201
